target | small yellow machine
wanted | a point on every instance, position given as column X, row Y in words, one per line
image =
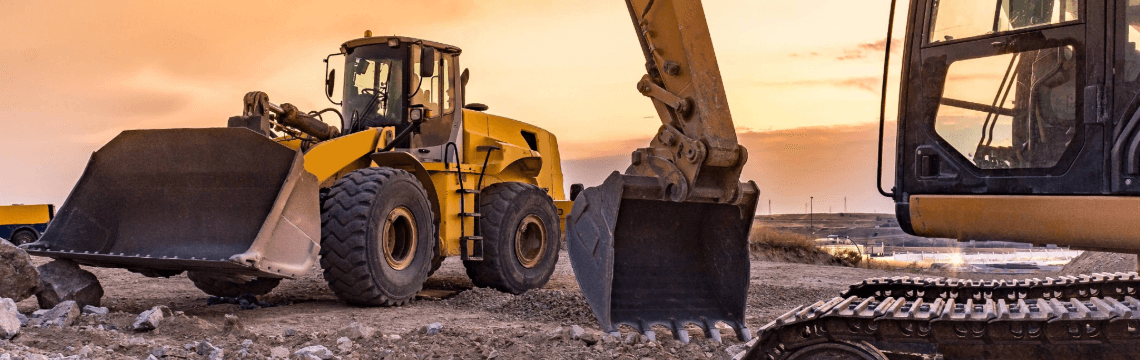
column 416, row 176
column 22, row 224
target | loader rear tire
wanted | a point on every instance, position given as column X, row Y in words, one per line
column 232, row 286
column 521, row 233
column 377, row 237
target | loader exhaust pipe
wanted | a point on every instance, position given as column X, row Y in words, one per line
column 644, row 261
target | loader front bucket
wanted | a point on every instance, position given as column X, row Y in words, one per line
column 223, row 200
column 644, row 262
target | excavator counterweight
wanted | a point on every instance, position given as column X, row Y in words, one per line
column 666, row 243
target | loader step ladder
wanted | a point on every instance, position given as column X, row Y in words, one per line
column 470, row 246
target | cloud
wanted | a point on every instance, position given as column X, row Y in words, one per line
column 856, row 51
column 865, row 83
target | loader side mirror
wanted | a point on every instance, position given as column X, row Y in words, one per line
column 330, row 83
column 465, row 76
column 427, row 62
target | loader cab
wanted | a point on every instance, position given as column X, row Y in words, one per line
column 397, row 82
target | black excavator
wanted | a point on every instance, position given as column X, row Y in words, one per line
column 1019, row 120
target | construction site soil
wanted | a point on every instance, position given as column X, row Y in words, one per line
column 476, row 323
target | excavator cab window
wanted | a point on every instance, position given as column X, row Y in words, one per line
column 1008, row 101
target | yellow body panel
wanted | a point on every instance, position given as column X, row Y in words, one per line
column 25, row 214
column 1094, row 222
column 327, row 159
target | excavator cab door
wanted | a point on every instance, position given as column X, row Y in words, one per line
column 1002, row 100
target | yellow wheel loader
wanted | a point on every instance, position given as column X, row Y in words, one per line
column 417, row 175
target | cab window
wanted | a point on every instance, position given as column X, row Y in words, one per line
column 960, row 19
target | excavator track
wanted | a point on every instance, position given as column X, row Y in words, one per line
column 1083, row 286
column 1038, row 328
column 1095, row 316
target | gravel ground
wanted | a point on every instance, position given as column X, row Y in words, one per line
column 476, row 323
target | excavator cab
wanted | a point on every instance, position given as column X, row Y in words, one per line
column 1018, row 121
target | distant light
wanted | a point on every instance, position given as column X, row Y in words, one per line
column 393, row 42
column 367, row 33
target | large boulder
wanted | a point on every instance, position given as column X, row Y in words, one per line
column 18, row 277
column 62, row 280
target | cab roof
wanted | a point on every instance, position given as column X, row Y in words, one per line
column 403, row 39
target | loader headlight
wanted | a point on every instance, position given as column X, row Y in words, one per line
column 416, row 114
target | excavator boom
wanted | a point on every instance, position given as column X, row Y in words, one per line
column 666, row 243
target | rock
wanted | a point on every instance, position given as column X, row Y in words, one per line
column 95, row 310
column 39, row 313
column 85, row 351
column 158, row 351
column 232, row 324
column 315, row 351
column 63, row 280
column 609, row 339
column 149, row 319
column 62, row 315
column 279, row 353
column 356, row 331
column 433, row 328
column 633, row 338
column 735, row 349
column 591, row 337
column 205, row 348
column 344, row 344
column 393, row 337
column 557, row 333
column 9, row 321
column 19, row 279
column 23, row 319
column 35, row 357
column 576, row 332
column 290, row 332
column 245, row 344
column 151, row 357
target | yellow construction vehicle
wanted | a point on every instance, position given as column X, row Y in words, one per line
column 22, row 224
column 417, row 175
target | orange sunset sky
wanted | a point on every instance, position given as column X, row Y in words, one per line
column 802, row 79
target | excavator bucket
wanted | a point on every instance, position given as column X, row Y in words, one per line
column 158, row 202
column 642, row 261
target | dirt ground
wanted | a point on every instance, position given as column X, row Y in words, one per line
column 477, row 323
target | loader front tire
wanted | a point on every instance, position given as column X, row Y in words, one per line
column 231, row 286
column 521, row 233
column 377, row 237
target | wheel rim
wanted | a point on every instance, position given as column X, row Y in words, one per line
column 23, row 238
column 399, row 242
column 530, row 241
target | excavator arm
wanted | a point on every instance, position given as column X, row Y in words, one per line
column 666, row 243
